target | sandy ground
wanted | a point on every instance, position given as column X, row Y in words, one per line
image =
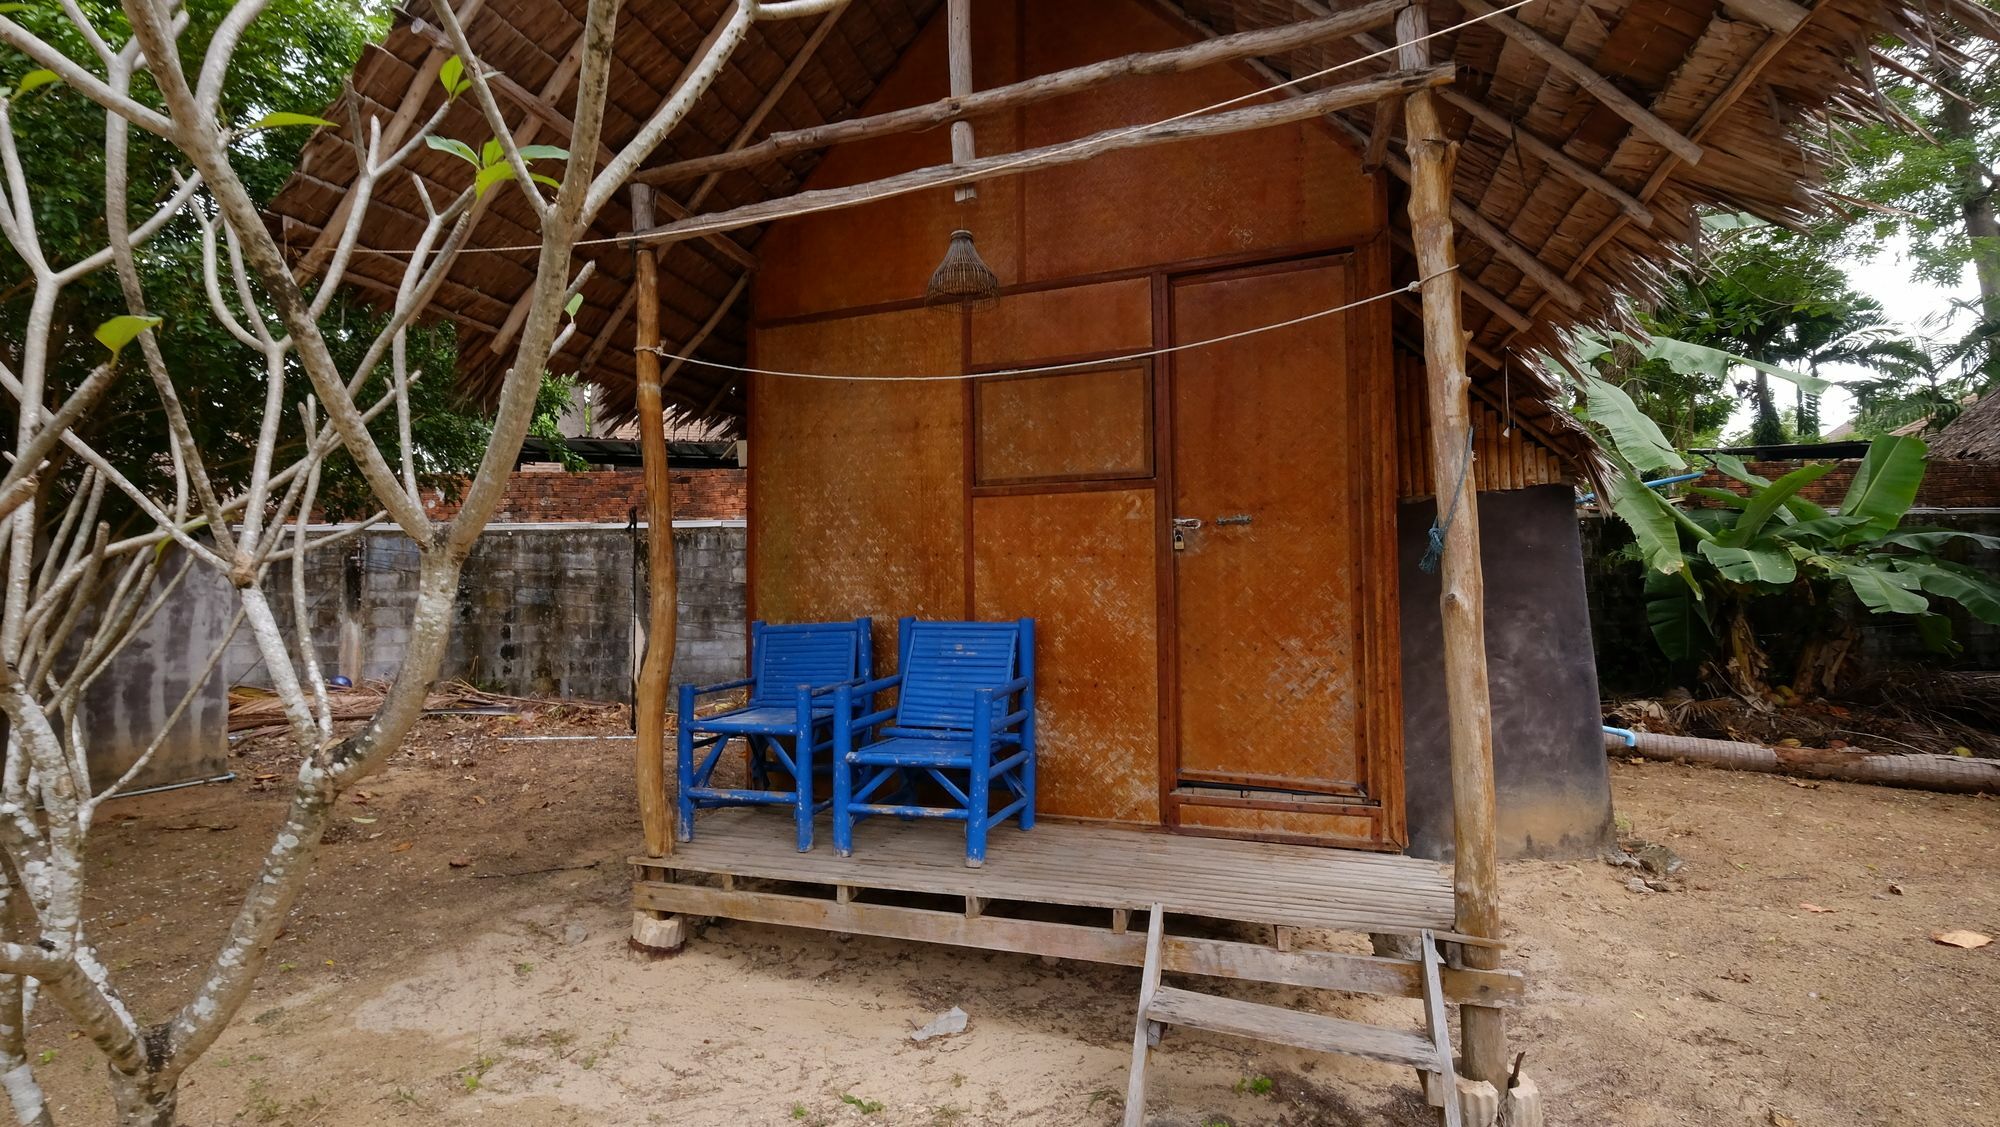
column 460, row 957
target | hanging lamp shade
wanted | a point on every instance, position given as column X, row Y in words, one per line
column 963, row 279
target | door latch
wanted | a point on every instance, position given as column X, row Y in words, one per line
column 1239, row 518
column 1183, row 526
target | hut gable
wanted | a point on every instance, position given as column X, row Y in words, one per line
column 1589, row 136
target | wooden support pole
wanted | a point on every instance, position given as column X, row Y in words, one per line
column 1461, row 602
column 1218, row 49
column 958, row 28
column 656, row 669
column 1315, row 104
column 1587, row 76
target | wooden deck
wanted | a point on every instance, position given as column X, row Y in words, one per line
column 1072, row 891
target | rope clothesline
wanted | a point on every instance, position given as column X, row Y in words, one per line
column 697, row 230
column 1073, row 365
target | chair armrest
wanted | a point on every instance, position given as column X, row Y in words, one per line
column 869, row 688
column 725, row 686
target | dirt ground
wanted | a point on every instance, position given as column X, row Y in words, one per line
column 460, row 957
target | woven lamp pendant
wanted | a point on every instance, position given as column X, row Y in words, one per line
column 962, row 280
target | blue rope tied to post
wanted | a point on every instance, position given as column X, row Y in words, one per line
column 1434, row 554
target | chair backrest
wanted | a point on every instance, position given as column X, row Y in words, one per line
column 783, row 657
column 943, row 662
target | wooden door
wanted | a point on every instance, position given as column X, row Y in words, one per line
column 1278, row 514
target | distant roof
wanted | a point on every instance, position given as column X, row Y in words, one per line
column 1974, row 435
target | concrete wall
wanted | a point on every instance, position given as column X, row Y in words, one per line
column 1550, row 773
column 543, row 610
column 126, row 706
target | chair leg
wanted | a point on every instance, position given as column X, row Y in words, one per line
column 759, row 761
column 843, row 818
column 979, row 796
column 1028, row 791
column 684, row 780
column 802, row 781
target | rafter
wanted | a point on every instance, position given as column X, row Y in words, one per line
column 1264, row 116
column 1587, row 76
column 1220, row 49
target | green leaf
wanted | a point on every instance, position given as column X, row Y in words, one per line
column 121, row 330
column 281, row 119
column 1765, row 502
column 1686, row 357
column 1936, row 539
column 1653, row 527
column 574, row 303
column 1885, row 486
column 1675, row 618
column 1935, row 630
column 492, row 152
column 10, row 9
column 452, row 77
column 1968, row 588
column 490, row 175
column 1732, row 466
column 541, row 179
column 1720, row 496
column 1635, row 436
column 34, row 80
column 1881, row 591
column 1822, row 532
column 1773, row 566
column 543, row 152
column 459, row 149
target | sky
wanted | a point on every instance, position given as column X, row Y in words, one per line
column 1906, row 302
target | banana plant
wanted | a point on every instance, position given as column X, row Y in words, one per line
column 1769, row 557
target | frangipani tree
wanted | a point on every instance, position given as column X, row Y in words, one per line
column 1770, row 549
column 74, row 593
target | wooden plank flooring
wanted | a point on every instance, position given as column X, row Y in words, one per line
column 1090, row 866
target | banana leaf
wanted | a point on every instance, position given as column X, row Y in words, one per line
column 1654, row 529
column 1885, row 486
column 1880, row 590
column 1733, row 466
column 1962, row 585
column 1765, row 502
column 1768, row 565
column 1634, row 436
column 1678, row 621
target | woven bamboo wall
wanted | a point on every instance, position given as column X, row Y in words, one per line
column 1505, row 454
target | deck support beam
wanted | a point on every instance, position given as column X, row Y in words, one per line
column 1461, row 602
column 656, row 815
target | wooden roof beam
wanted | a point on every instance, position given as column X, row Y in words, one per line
column 748, row 130
column 1587, row 76
column 1499, row 306
column 393, row 132
column 555, row 119
column 1315, row 104
column 1221, row 49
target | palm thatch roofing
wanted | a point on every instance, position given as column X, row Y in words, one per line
column 1973, row 435
column 1569, row 197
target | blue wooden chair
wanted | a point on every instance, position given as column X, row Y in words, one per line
column 787, row 722
column 964, row 716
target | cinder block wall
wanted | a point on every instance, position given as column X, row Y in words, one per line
column 551, row 610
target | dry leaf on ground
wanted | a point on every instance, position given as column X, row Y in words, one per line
column 1962, row 938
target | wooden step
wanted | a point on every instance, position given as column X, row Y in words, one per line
column 1291, row 1027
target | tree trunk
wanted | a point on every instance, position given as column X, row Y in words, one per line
column 1768, row 430
column 145, row 1100
column 1982, row 227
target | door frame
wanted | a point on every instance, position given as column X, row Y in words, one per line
column 1283, row 816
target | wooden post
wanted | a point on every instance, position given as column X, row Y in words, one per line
column 656, row 670
column 1461, row 603
column 958, row 25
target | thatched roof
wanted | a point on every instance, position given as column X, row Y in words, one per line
column 1974, row 435
column 1750, row 82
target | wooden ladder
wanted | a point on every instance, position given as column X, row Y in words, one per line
column 1428, row 1052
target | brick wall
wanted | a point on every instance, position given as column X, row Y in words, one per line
column 1948, row 483
column 609, row 496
